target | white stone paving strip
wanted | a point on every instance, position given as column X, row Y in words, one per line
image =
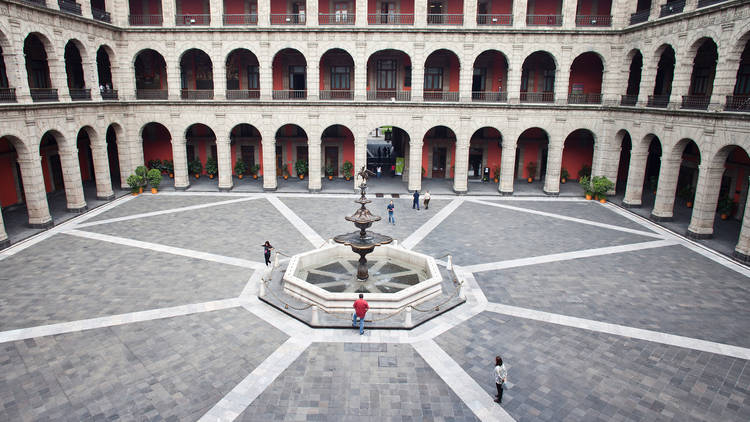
column 622, row 330
column 278, row 319
column 565, row 256
column 244, row 393
column 566, row 218
column 251, row 288
column 121, row 319
column 307, row 231
column 430, row 224
column 476, row 398
column 206, row 256
column 163, row 212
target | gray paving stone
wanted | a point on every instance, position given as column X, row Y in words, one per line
column 67, row 278
column 151, row 203
column 561, row 373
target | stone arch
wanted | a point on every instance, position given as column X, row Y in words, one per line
column 337, row 70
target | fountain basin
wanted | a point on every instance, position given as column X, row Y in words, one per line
column 326, row 278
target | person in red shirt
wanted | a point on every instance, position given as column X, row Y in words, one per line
column 360, row 309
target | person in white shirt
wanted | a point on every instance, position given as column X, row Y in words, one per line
column 427, row 200
column 501, row 375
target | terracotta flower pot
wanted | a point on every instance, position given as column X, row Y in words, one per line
column 154, row 190
column 171, row 175
column 497, row 180
column 240, row 176
column 197, row 176
column 724, row 216
column 348, row 178
column 603, row 201
column 588, row 196
column 530, row 179
column 140, row 190
column 563, row 180
column 301, row 177
column 255, row 176
column 330, row 177
column 134, row 193
column 286, row 176
column 210, row 176
column 689, row 204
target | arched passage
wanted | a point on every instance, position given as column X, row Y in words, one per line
column 157, row 143
column 664, row 77
column 578, row 154
column 61, row 170
column 104, row 70
column 531, row 155
column 37, row 69
column 291, row 151
column 441, row 76
column 702, row 77
column 490, row 77
column 388, row 148
column 485, row 152
column 74, row 72
column 678, row 173
column 585, row 84
column 114, row 131
column 740, row 98
column 336, row 75
column 247, row 154
column 196, row 76
column 11, row 184
column 439, row 153
column 337, row 148
column 626, row 146
column 289, row 75
column 201, row 151
column 634, row 79
column 389, row 76
column 538, row 78
column 150, row 76
column 243, row 75
column 7, row 93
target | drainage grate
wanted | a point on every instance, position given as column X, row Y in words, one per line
column 378, row 195
column 395, row 195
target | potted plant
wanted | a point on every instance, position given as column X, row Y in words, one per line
column 531, row 169
column 423, row 171
column 155, row 164
column 329, row 171
column 254, row 169
column 154, row 179
column 496, row 171
column 724, row 207
column 168, row 167
column 285, row 171
column 347, row 169
column 564, row 175
column 687, row 193
column 585, row 183
column 195, row 167
column 212, row 167
column 300, row 166
column 135, row 184
column 141, row 171
column 601, row 185
column 240, row 167
column 585, row 171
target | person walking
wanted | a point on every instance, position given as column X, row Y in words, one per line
column 360, row 310
column 501, row 375
column 267, row 252
column 391, row 218
column 379, row 171
column 427, row 200
column 415, row 204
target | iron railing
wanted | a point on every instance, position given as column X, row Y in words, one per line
column 80, row 94
column 192, row 20
column 594, row 20
column 197, row 94
column 287, row 19
column 589, row 98
column 69, row 6
column 704, row 3
column 537, row 97
column 101, row 15
column 390, row 19
column 335, row 19
column 658, row 101
column 503, row 20
column 672, row 8
column 109, row 94
column 445, row 19
column 145, row 20
column 7, row 95
column 695, row 102
column 151, row 94
column 251, row 19
column 289, row 94
column 337, row 94
column 639, row 16
column 544, row 20
column 243, row 94
column 738, row 103
column 440, row 96
column 388, row 95
column 44, row 94
column 489, row 96
column 628, row 100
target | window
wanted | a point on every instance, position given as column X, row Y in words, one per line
column 478, row 79
column 340, row 77
column 700, row 80
column 342, row 11
column 386, row 75
column 253, row 77
column 743, row 80
column 407, row 76
column 247, row 152
column 549, row 80
column 433, row 79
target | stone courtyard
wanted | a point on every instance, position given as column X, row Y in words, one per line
column 146, row 308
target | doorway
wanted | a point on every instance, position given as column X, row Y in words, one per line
column 475, row 162
column 57, row 173
column 332, row 159
column 439, row 156
column 279, row 160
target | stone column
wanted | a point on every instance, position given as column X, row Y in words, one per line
column 420, row 13
column 636, row 174
column 4, row 241
column 313, row 72
column 612, row 83
column 519, row 16
column 119, row 10
column 554, row 163
column 72, row 179
column 466, row 72
column 220, row 73
column 461, row 171
column 179, row 156
column 101, row 169
column 515, row 67
column 415, row 165
column 724, row 81
column 683, row 71
column 311, row 14
column 174, row 76
column 169, row 14
column 360, row 18
column 264, row 14
column 507, row 167
column 216, row 9
column 470, row 14
column 742, row 250
column 123, row 77
column 648, row 77
column 417, row 73
column 268, row 146
column 224, row 158
column 360, row 69
column 606, row 160
column 314, row 184
column 34, row 191
column 265, row 68
column 665, row 191
column 569, row 14
column 562, row 76
column 704, row 206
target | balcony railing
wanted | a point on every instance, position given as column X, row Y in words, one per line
column 287, row 19
column 42, row 3
column 658, row 101
column 639, row 16
column 7, row 95
column 335, row 19
column 440, row 96
column 489, row 96
column 337, row 94
column 589, row 98
column 192, row 20
column 738, row 103
column 69, row 6
column 672, row 8
column 251, row 19
column 537, row 97
column 44, row 94
column 544, row 20
column 503, row 20
column 80, row 94
column 145, row 20
column 695, row 102
column 390, row 19
column 628, row 100
column 151, row 94
column 445, row 19
column 109, row 94
column 101, row 15
column 197, row 94
column 243, row 94
column 704, row 3
column 388, row 95
column 289, row 94
column 594, row 20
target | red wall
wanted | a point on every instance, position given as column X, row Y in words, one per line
column 157, row 145
column 455, row 7
column 234, row 7
column 153, row 7
column 454, row 73
column 279, row 7
column 547, row 7
column 426, row 164
column 586, row 7
column 407, row 7
column 577, row 152
column 8, row 194
column 48, row 184
column 586, row 70
column 193, row 7
column 501, row 7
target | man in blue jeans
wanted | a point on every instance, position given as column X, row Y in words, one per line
column 360, row 309
column 415, row 204
column 391, row 218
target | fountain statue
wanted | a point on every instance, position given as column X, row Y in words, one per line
column 363, row 242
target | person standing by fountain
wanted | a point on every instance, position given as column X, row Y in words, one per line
column 360, row 310
column 267, row 252
column 391, row 218
column 415, row 204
